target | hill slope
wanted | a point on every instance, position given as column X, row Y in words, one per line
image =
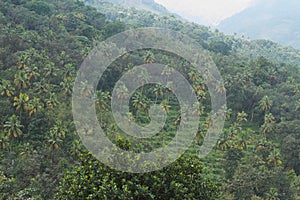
column 240, row 48
column 149, row 5
column 42, row 45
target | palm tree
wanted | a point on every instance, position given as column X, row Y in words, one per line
column 21, row 79
column 54, row 142
column 85, row 89
column 228, row 114
column 165, row 105
column 149, row 57
column 138, row 101
column 67, row 85
column 32, row 72
column 122, row 92
column 200, row 135
column 199, row 110
column 224, row 143
column 167, row 72
column 272, row 194
column 158, row 91
column 241, row 116
column 51, row 102
column 241, row 143
column 6, row 89
column 21, row 103
column 49, row 70
column 13, row 127
column 274, row 158
column 200, row 92
column 269, row 123
column 143, row 78
column 34, row 106
column 59, row 129
column 102, row 100
column 69, row 71
column 23, row 61
column 193, row 75
column 41, row 86
column 56, row 135
column 220, row 89
column 265, row 103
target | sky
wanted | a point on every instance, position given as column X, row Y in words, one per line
column 210, row 12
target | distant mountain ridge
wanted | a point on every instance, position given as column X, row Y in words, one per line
column 240, row 48
column 276, row 20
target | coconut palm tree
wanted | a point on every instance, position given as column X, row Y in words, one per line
column 21, row 103
column 41, row 86
column 69, row 71
column 158, row 92
column 265, row 103
column 32, row 72
column 34, row 106
column 224, row 143
column 138, row 101
column 274, row 158
column 165, row 105
column 122, row 92
column 241, row 143
column 6, row 89
column 269, row 123
column 67, row 85
column 143, row 78
column 56, row 135
column 21, row 79
column 149, row 57
column 13, row 127
column 49, row 70
column 102, row 100
column 241, row 116
column 272, row 194
column 51, row 102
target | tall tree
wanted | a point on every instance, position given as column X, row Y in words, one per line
column 6, row 89
column 13, row 127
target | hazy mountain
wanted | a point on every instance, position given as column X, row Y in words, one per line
column 277, row 20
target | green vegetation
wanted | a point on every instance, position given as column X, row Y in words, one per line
column 43, row 43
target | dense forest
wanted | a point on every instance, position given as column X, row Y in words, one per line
column 42, row 46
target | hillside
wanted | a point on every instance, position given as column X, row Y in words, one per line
column 42, row 154
column 149, row 5
column 241, row 48
column 276, row 20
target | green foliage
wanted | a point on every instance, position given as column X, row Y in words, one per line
column 40, row 7
column 184, row 179
column 219, row 47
